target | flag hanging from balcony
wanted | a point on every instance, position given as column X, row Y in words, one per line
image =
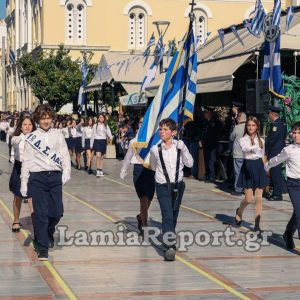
column 272, row 63
column 169, row 101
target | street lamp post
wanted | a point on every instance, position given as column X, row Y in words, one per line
column 162, row 27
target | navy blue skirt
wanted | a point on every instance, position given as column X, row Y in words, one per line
column 144, row 181
column 100, row 146
column 253, row 175
column 87, row 144
column 78, row 145
column 15, row 180
column 68, row 142
column 72, row 143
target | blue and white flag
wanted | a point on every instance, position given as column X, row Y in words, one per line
column 258, row 19
column 276, row 13
column 272, row 66
column 247, row 24
column 12, row 57
column 149, row 45
column 159, row 51
column 221, row 36
column 289, row 18
column 233, row 29
column 171, row 45
column 169, row 102
column 81, row 96
column 149, row 76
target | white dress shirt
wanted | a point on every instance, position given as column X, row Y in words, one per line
column 100, row 132
column 65, row 132
column 18, row 144
column 10, row 133
column 130, row 157
column 34, row 161
column 86, row 133
column 250, row 151
column 4, row 126
column 73, row 132
column 170, row 159
column 291, row 155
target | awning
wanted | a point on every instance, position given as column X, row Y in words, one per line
column 212, row 76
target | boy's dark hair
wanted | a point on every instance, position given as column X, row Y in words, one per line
column 169, row 123
column 43, row 110
column 296, row 126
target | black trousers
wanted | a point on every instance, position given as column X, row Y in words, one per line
column 210, row 159
column 293, row 186
column 45, row 189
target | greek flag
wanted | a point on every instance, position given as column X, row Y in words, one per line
column 221, row 36
column 81, row 96
column 159, row 51
column 12, row 57
column 149, row 76
column 272, row 65
column 276, row 13
column 169, row 102
column 233, row 29
column 289, row 18
column 258, row 19
column 149, row 45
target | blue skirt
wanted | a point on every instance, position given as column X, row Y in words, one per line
column 253, row 175
column 78, row 145
column 144, row 181
column 68, row 142
column 100, row 146
column 15, row 180
column 87, row 144
column 72, row 143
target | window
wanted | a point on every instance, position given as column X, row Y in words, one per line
column 137, row 23
column 75, row 22
column 200, row 26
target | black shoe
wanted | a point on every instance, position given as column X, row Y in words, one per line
column 170, row 254
column 289, row 243
column 235, row 193
column 266, row 195
column 86, row 168
column 16, row 229
column 210, row 180
column 238, row 223
column 275, row 198
column 43, row 255
column 51, row 242
column 140, row 224
column 90, row 171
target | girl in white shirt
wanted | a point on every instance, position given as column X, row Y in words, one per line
column 100, row 133
column 25, row 125
column 86, row 142
column 253, row 177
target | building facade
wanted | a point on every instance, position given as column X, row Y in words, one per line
column 107, row 25
column 2, row 63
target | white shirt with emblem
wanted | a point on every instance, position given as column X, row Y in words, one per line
column 250, row 151
column 291, row 155
column 170, row 159
column 35, row 161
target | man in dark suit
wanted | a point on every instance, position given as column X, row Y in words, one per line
column 275, row 142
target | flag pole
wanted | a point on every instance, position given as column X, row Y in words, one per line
column 181, row 111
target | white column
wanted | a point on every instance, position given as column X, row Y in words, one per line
column 29, row 24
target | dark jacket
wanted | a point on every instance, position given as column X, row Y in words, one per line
column 275, row 140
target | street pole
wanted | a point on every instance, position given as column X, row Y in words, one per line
column 4, row 104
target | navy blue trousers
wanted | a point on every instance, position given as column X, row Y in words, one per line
column 277, row 180
column 169, row 207
column 210, row 159
column 45, row 189
column 293, row 186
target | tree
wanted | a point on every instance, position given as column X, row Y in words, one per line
column 53, row 77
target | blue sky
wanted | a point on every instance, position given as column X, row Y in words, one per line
column 2, row 9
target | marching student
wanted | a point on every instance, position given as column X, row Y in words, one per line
column 168, row 177
column 78, row 146
column 86, row 142
column 291, row 156
column 100, row 133
column 143, row 179
column 9, row 135
column 46, row 167
column 72, row 138
column 253, row 177
column 65, row 131
column 25, row 126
